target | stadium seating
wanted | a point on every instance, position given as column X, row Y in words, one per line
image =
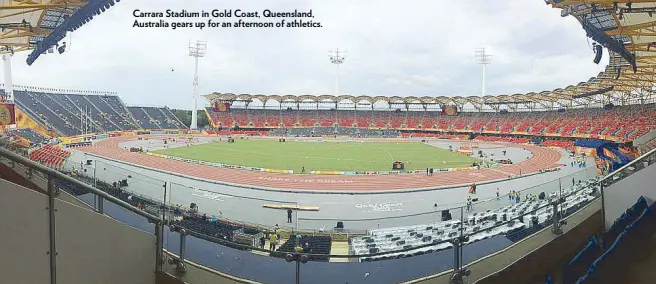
column 623, row 242
column 523, row 218
column 163, row 117
column 202, row 224
column 517, row 140
column 581, row 261
column 648, row 146
column 311, row 244
column 626, row 123
column 114, row 110
column 50, row 155
column 47, row 113
column 31, row 135
column 328, row 131
column 155, row 118
column 61, row 113
column 64, row 113
column 558, row 143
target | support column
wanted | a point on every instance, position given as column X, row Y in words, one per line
column 557, row 219
column 9, row 85
column 194, row 113
column 52, row 229
column 180, row 266
column 159, row 246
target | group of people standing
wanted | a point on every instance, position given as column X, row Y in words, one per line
column 516, row 196
column 273, row 237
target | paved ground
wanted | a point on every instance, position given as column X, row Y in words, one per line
column 358, row 211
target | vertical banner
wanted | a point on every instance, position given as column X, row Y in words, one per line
column 449, row 110
column 221, row 107
column 7, row 116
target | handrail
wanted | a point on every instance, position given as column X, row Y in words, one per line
column 639, row 159
column 51, row 172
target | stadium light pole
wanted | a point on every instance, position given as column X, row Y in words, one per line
column 484, row 59
column 9, row 85
column 337, row 57
column 196, row 50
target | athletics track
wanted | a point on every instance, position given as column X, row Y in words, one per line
column 542, row 158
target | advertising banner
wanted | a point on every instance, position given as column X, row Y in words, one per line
column 221, row 107
column 449, row 110
column 7, row 116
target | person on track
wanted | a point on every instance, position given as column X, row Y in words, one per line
column 272, row 241
column 289, row 216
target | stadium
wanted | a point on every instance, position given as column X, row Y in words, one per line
column 538, row 187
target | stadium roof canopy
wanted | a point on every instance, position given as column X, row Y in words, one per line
column 38, row 25
column 627, row 30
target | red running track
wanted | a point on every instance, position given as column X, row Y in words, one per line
column 542, row 158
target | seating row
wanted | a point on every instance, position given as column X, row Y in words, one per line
column 29, row 134
column 513, row 221
column 626, row 122
column 622, row 243
column 50, row 155
column 310, row 244
column 74, row 114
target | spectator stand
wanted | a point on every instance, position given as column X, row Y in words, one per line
column 622, row 244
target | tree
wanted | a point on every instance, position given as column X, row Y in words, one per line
column 185, row 117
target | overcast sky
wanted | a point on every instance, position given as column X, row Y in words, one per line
column 395, row 47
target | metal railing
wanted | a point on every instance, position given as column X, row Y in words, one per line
column 52, row 191
column 457, row 242
column 632, row 167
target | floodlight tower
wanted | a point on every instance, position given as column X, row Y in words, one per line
column 196, row 50
column 337, row 57
column 484, row 59
column 9, row 86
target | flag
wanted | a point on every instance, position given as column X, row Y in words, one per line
column 7, row 114
column 221, row 107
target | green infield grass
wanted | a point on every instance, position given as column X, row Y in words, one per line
column 323, row 156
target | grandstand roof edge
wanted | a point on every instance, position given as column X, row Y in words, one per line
column 58, row 18
column 617, row 81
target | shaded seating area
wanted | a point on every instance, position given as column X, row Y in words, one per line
column 579, row 264
column 623, row 122
column 623, row 244
column 517, row 140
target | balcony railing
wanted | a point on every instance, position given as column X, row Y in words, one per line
column 474, row 231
